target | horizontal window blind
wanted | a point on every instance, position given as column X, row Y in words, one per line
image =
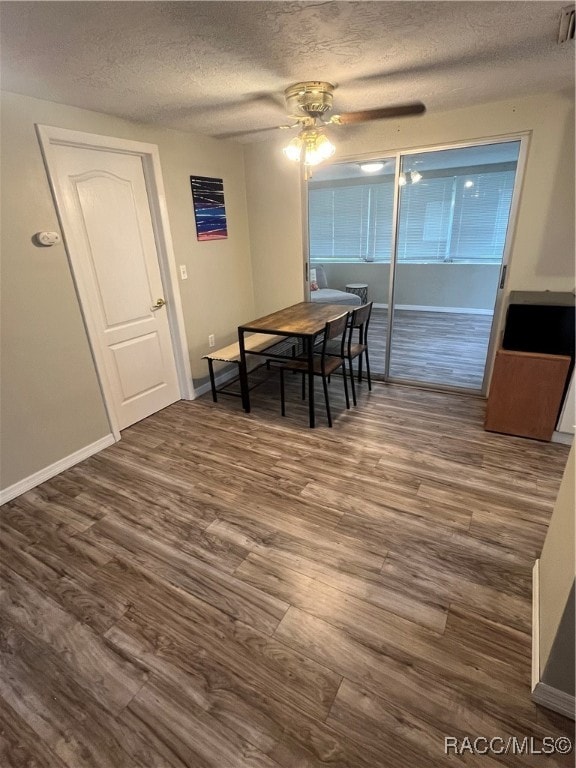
column 481, row 217
column 424, row 220
column 445, row 217
column 383, row 195
column 351, row 223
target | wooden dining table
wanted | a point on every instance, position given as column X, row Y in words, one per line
column 304, row 321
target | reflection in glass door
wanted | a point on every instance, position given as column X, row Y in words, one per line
column 454, row 208
column 351, row 224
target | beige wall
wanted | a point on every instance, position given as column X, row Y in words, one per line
column 543, row 245
column 275, row 219
column 51, row 403
column 430, row 285
column 559, row 672
column 557, row 565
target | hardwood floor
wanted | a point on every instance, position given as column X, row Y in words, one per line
column 227, row 591
column 432, row 347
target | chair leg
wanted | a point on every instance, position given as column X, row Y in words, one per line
column 359, row 367
column 303, row 386
column 326, row 398
column 368, row 370
column 346, row 385
column 282, row 399
column 352, row 381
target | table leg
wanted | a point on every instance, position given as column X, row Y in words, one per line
column 212, row 380
column 310, row 342
column 245, row 392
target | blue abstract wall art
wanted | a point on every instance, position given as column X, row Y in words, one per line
column 209, row 210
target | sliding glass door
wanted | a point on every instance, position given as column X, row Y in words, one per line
column 423, row 235
column 351, row 215
column 454, row 209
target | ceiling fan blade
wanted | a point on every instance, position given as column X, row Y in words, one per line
column 402, row 110
column 231, row 135
column 252, row 131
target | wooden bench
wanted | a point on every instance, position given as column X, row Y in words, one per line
column 257, row 343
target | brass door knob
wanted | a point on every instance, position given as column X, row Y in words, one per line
column 159, row 303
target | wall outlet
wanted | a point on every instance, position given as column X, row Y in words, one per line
column 211, row 340
column 183, row 272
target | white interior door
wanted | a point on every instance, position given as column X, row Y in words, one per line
column 104, row 207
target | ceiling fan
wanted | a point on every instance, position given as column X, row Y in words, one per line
column 310, row 100
column 308, row 104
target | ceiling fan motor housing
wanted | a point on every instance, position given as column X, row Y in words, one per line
column 312, row 97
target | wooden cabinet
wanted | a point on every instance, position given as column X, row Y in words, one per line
column 526, row 393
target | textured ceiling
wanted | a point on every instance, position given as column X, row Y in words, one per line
column 220, row 67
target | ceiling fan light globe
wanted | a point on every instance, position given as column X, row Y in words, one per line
column 316, row 156
column 311, row 146
column 293, row 149
column 311, row 157
column 324, row 147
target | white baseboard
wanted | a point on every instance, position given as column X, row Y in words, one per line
column 54, row 469
column 221, row 378
column 448, row 310
column 562, row 437
column 543, row 694
column 201, row 390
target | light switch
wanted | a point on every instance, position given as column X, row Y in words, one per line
column 183, row 272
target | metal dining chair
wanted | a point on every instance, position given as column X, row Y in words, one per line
column 355, row 349
column 325, row 363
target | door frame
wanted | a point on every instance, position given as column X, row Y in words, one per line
column 50, row 137
column 524, row 138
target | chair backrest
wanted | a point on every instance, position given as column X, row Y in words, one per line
column 359, row 319
column 334, row 329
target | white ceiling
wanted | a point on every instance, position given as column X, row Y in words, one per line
column 219, row 67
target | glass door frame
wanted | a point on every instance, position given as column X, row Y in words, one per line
column 524, row 138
